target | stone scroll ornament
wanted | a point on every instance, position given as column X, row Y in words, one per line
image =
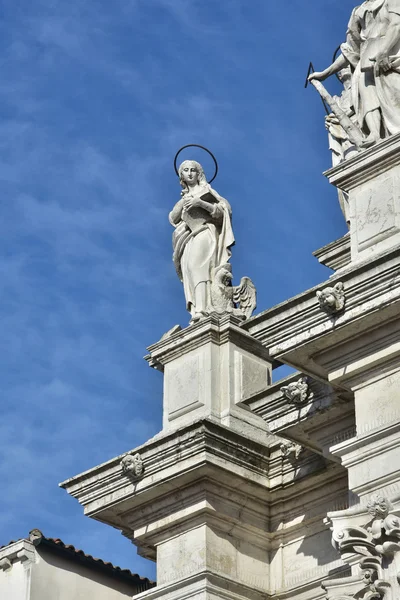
column 332, row 300
column 372, row 53
column 375, row 547
column 132, row 465
column 202, row 243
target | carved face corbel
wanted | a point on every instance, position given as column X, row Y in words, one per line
column 297, row 392
column 132, row 465
column 291, row 450
column 332, row 299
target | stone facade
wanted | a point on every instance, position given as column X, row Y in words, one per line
column 257, row 489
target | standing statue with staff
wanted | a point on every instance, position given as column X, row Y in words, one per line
column 372, row 51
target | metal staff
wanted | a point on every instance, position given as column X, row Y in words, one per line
column 354, row 133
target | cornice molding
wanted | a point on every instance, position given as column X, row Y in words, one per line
column 366, row 165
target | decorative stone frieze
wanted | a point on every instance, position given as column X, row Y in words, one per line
column 332, row 299
column 132, row 465
column 297, row 392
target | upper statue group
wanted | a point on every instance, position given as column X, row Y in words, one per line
column 367, row 111
column 369, row 68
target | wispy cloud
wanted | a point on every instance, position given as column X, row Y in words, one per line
column 96, row 98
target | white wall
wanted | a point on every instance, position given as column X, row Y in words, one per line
column 14, row 582
column 57, row 578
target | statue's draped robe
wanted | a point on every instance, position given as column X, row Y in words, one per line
column 339, row 141
column 201, row 243
column 367, row 26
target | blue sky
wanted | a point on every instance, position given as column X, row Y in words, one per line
column 95, row 99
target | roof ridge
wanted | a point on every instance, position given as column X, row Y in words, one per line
column 36, row 537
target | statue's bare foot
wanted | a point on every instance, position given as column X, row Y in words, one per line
column 369, row 141
column 198, row 316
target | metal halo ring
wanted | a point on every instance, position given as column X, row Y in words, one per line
column 335, row 55
column 203, row 148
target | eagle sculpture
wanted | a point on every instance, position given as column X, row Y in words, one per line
column 238, row 300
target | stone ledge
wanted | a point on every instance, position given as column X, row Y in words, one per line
column 169, row 456
column 335, row 255
column 205, row 585
column 217, row 330
column 297, row 330
column 306, row 423
column 366, row 165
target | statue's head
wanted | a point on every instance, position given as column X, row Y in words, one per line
column 191, row 172
column 223, row 274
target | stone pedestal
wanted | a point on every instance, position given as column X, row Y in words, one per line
column 222, row 505
column 195, row 498
column 209, row 370
column 200, row 507
column 372, row 180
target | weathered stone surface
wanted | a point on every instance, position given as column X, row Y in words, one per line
column 210, row 368
column 371, row 181
column 214, row 503
column 335, row 255
column 326, row 419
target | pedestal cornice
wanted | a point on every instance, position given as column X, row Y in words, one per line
column 215, row 329
column 172, row 456
column 366, row 165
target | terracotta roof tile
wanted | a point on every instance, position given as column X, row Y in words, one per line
column 37, row 538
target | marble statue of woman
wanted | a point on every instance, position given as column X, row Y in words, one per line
column 372, row 51
column 202, row 238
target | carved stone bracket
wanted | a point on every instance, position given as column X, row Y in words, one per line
column 332, row 300
column 297, row 392
column 373, row 546
column 132, row 465
column 291, row 450
column 5, row 564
